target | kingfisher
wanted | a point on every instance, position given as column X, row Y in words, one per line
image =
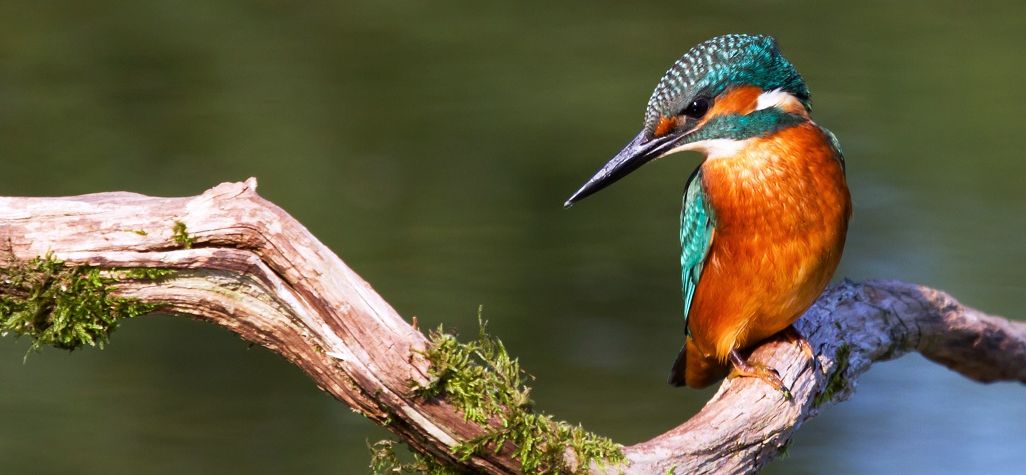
column 765, row 213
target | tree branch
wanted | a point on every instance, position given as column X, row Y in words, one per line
column 243, row 263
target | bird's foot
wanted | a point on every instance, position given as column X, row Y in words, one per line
column 744, row 369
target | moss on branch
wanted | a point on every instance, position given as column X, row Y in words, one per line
column 385, row 460
column 180, row 234
column 487, row 385
column 836, row 382
column 66, row 306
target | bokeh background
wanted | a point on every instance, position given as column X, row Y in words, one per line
column 431, row 145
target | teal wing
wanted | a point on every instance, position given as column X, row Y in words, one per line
column 696, row 234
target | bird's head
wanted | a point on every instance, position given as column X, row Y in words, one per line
column 720, row 93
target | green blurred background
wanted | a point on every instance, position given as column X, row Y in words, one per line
column 431, row 145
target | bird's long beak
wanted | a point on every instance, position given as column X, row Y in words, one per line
column 638, row 152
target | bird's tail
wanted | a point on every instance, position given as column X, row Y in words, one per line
column 694, row 370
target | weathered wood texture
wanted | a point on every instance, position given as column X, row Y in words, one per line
column 255, row 270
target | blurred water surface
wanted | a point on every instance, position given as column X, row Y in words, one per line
column 431, row 145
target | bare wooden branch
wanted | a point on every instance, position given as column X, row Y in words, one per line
column 252, row 268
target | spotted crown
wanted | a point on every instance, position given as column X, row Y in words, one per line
column 718, row 64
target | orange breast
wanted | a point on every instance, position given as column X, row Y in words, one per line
column 781, row 208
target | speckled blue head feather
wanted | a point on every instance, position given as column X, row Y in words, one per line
column 721, row 63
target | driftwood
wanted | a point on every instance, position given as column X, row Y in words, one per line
column 246, row 265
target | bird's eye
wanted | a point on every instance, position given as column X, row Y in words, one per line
column 697, row 108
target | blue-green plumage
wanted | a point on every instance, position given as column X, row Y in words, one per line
column 718, row 64
column 760, row 123
column 696, row 230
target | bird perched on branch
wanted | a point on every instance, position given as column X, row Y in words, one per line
column 766, row 212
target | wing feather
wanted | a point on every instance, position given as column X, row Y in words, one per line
column 696, row 235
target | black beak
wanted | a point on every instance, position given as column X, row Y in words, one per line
column 638, row 152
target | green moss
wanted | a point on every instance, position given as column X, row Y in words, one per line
column 141, row 232
column 784, row 450
column 66, row 306
column 836, row 382
column 146, row 273
column 181, row 235
column 485, row 383
column 385, row 460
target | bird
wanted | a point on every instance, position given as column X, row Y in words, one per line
column 764, row 215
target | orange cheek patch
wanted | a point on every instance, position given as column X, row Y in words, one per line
column 739, row 101
column 666, row 124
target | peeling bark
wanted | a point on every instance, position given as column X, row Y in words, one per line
column 252, row 268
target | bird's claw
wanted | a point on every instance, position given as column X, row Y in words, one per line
column 770, row 376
